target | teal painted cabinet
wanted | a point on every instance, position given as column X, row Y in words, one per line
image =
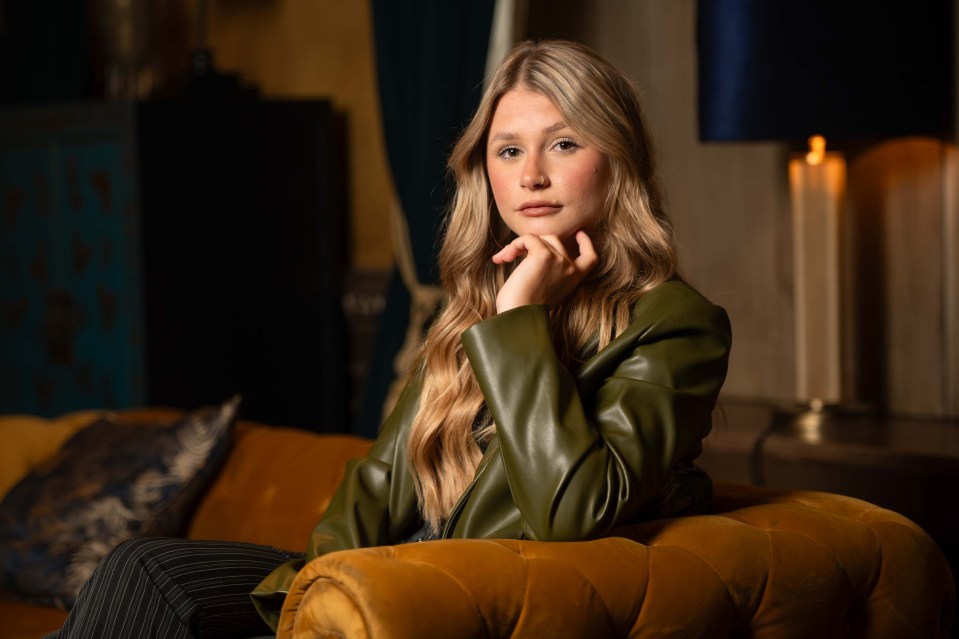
column 71, row 321
column 174, row 253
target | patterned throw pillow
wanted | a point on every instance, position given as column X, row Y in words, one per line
column 108, row 483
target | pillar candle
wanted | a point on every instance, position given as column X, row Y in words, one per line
column 817, row 186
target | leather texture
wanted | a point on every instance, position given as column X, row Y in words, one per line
column 575, row 453
column 767, row 564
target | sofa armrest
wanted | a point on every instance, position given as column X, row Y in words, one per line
column 470, row 588
column 780, row 565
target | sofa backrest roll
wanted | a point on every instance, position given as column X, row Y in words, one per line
column 274, row 486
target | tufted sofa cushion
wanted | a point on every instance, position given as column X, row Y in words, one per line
column 768, row 564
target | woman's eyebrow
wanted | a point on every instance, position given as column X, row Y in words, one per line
column 509, row 135
column 555, row 127
column 503, row 135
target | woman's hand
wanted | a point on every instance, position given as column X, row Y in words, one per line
column 546, row 273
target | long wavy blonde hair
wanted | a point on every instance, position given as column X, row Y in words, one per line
column 633, row 242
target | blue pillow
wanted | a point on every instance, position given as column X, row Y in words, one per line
column 110, row 482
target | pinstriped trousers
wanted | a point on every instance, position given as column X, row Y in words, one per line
column 159, row 588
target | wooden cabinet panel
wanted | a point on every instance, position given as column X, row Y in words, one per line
column 71, row 324
column 175, row 253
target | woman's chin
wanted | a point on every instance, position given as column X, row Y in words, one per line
column 564, row 233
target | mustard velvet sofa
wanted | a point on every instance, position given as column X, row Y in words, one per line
column 765, row 564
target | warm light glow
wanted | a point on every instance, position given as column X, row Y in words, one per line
column 817, row 150
column 809, row 426
column 817, row 189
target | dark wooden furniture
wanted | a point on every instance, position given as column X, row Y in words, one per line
column 175, row 252
column 906, row 464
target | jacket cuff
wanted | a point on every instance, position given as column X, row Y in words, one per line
column 509, row 337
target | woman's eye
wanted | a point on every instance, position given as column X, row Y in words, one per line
column 509, row 152
column 565, row 145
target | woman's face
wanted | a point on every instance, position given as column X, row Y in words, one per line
column 546, row 179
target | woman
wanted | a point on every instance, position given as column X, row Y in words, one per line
column 564, row 388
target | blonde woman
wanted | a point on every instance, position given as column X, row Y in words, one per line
column 566, row 385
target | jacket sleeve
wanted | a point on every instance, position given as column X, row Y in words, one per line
column 583, row 456
column 375, row 504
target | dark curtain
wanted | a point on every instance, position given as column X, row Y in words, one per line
column 430, row 57
column 45, row 51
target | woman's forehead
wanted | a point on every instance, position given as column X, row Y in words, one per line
column 524, row 110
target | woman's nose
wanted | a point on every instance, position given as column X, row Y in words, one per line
column 534, row 175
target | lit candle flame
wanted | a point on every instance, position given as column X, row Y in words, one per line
column 817, row 150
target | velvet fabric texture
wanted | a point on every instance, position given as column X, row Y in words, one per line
column 257, row 497
column 111, row 481
column 766, row 564
column 275, row 486
column 574, row 454
column 28, row 441
column 758, row 565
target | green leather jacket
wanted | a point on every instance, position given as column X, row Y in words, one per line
column 575, row 454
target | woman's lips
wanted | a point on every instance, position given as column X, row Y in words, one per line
column 539, row 208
